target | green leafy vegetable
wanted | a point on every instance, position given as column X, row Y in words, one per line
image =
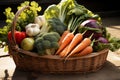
column 64, row 6
column 52, row 11
column 70, row 13
column 60, row 10
column 78, row 14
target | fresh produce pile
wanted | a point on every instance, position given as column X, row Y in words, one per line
column 66, row 29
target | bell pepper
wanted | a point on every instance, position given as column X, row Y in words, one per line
column 19, row 36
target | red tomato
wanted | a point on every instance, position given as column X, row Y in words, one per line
column 19, row 36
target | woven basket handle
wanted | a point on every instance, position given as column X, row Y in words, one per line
column 14, row 23
column 13, row 44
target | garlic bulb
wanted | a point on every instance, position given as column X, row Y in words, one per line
column 32, row 29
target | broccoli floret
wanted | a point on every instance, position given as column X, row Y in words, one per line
column 37, row 40
column 56, row 25
column 51, row 36
column 55, row 45
column 56, row 35
column 46, row 44
column 39, row 46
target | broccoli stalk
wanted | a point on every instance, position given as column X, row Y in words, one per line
column 50, row 51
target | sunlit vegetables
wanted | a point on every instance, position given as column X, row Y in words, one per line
column 58, row 30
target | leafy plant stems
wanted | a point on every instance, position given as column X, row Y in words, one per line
column 74, row 23
column 62, row 13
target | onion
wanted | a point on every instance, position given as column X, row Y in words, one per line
column 102, row 40
column 91, row 23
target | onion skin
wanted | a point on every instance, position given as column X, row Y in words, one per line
column 90, row 23
column 102, row 40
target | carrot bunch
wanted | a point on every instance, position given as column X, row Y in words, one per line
column 74, row 45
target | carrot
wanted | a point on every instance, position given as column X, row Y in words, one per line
column 86, row 51
column 67, row 39
column 77, row 38
column 63, row 36
column 86, row 42
column 63, row 52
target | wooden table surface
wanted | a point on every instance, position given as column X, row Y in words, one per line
column 114, row 31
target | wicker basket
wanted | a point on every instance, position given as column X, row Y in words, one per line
column 52, row 63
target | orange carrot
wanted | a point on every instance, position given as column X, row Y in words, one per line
column 63, row 36
column 86, row 42
column 86, row 51
column 63, row 52
column 77, row 38
column 68, row 38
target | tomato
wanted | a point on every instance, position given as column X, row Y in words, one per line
column 19, row 36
